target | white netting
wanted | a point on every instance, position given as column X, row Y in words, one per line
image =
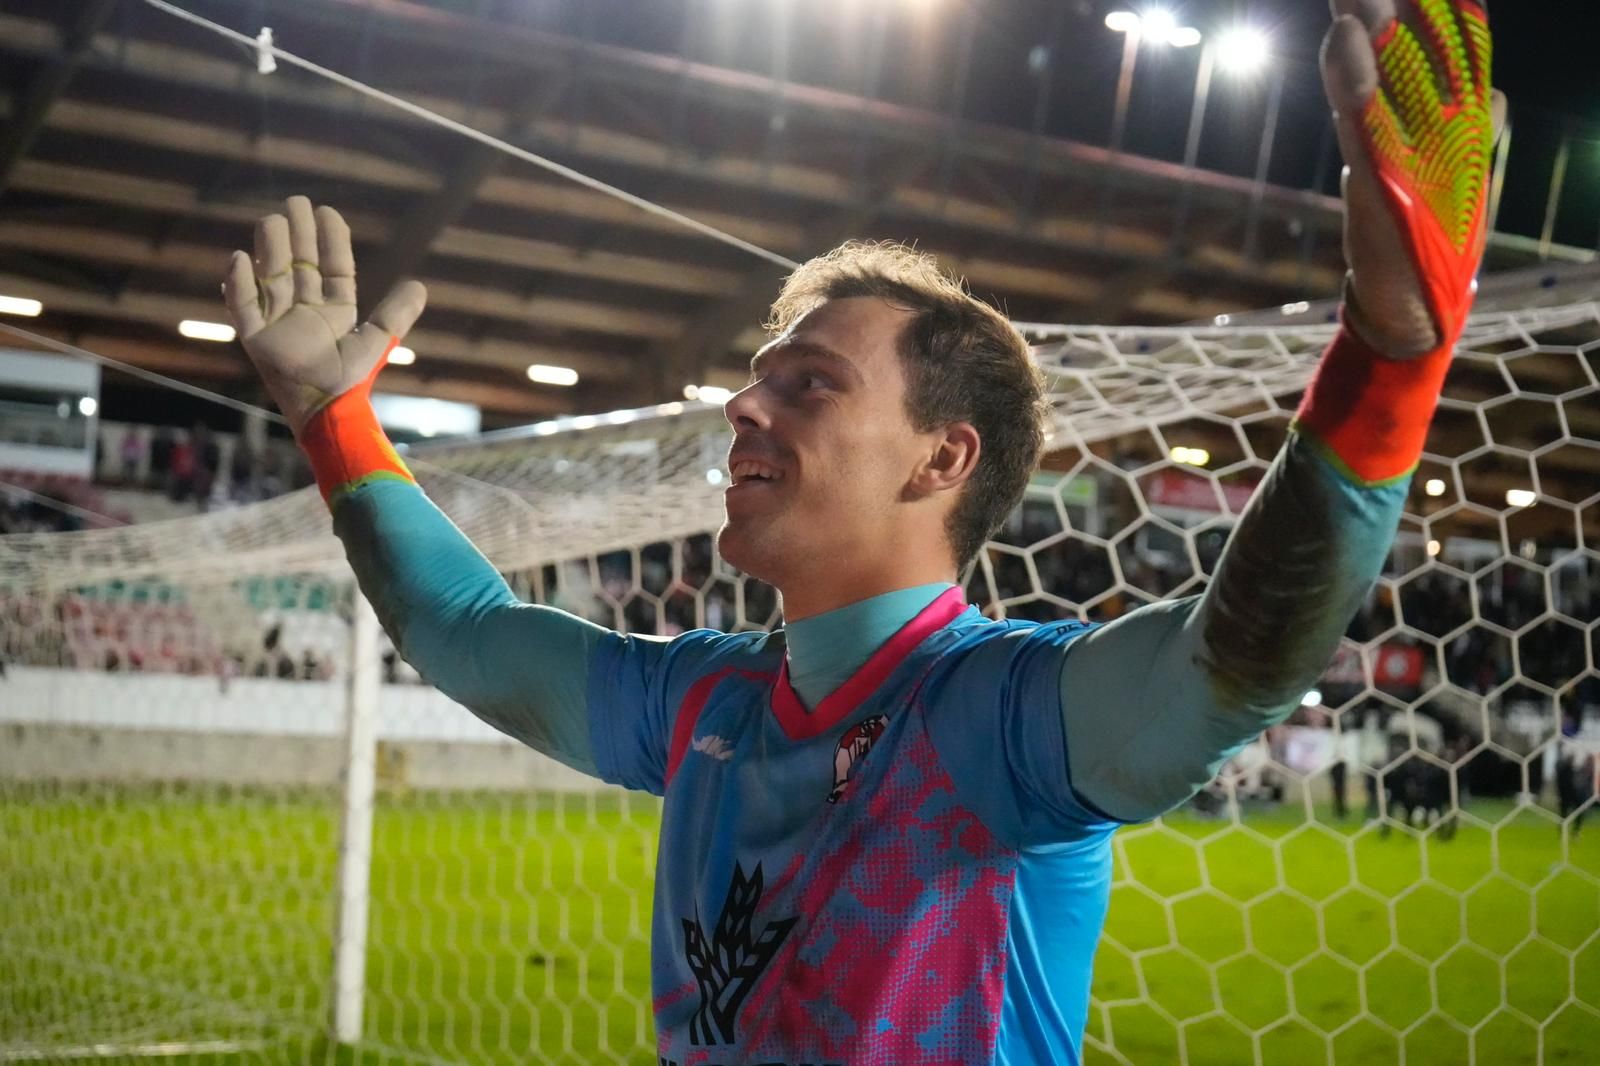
column 174, row 703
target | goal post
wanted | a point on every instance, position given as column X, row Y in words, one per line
column 213, row 771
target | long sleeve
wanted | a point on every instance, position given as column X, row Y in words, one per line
column 1155, row 702
column 523, row 669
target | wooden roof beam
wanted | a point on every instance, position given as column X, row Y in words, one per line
column 29, row 117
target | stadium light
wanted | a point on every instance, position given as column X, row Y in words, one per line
column 1434, row 487
column 1311, row 699
column 1521, row 497
column 1190, row 456
column 16, row 305
column 1243, row 51
column 1157, row 26
column 402, row 356
column 197, row 330
column 552, row 375
column 707, row 393
column 714, row 476
column 1434, row 548
column 87, row 406
column 1122, row 21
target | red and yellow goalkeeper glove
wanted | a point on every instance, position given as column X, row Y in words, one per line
column 1409, row 80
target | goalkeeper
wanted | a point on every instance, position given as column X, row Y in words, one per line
column 886, row 830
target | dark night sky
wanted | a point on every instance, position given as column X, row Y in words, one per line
column 1545, row 61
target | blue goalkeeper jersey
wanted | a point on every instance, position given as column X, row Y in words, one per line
column 914, row 870
column 900, row 875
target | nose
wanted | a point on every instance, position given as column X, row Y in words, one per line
column 746, row 410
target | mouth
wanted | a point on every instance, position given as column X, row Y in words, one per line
column 748, row 472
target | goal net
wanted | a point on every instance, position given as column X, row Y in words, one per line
column 1397, row 875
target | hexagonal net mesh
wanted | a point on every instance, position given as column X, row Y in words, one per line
column 1396, row 875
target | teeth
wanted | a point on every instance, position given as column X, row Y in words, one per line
column 751, row 468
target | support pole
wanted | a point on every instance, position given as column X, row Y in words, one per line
column 1191, row 147
column 355, row 831
column 1269, row 137
column 1558, row 185
column 1497, row 185
column 1119, row 127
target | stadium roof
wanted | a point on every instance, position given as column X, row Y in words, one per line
column 137, row 149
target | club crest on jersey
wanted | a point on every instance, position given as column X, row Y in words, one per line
column 853, row 747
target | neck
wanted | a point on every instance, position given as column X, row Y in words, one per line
column 826, row 650
column 802, row 600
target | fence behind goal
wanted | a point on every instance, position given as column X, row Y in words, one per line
column 234, row 827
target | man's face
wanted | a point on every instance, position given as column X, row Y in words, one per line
column 822, row 448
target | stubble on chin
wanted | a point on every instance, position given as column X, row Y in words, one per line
column 746, row 551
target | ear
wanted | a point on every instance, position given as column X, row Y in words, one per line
column 950, row 462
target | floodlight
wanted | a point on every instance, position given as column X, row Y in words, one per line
column 1243, row 50
column 707, row 393
column 1158, row 25
column 552, row 375
column 197, row 330
column 1434, row 487
column 16, row 305
column 1521, row 498
column 1123, row 21
column 402, row 356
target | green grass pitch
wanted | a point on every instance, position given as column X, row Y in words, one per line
column 515, row 930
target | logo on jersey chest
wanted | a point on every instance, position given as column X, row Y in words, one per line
column 853, row 747
column 729, row 962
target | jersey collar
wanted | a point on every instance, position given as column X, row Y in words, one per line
column 798, row 724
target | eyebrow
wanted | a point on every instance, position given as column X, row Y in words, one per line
column 807, row 349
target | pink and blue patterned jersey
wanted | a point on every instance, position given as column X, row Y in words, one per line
column 916, row 871
column 902, row 875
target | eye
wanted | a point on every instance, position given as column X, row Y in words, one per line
column 815, row 381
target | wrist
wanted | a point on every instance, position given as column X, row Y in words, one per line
column 1369, row 411
column 1403, row 332
column 346, row 445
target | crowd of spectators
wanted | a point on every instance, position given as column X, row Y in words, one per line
column 199, row 465
column 664, row 589
column 52, row 505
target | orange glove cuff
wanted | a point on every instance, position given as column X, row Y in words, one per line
column 1371, row 413
column 346, row 445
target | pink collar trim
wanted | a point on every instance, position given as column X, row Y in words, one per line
column 798, row 724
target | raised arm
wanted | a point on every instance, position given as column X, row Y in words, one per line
column 523, row 669
column 1415, row 116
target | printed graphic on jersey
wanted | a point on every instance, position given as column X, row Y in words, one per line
column 713, row 746
column 728, row 966
column 853, row 747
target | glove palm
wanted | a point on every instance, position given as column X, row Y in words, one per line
column 294, row 307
